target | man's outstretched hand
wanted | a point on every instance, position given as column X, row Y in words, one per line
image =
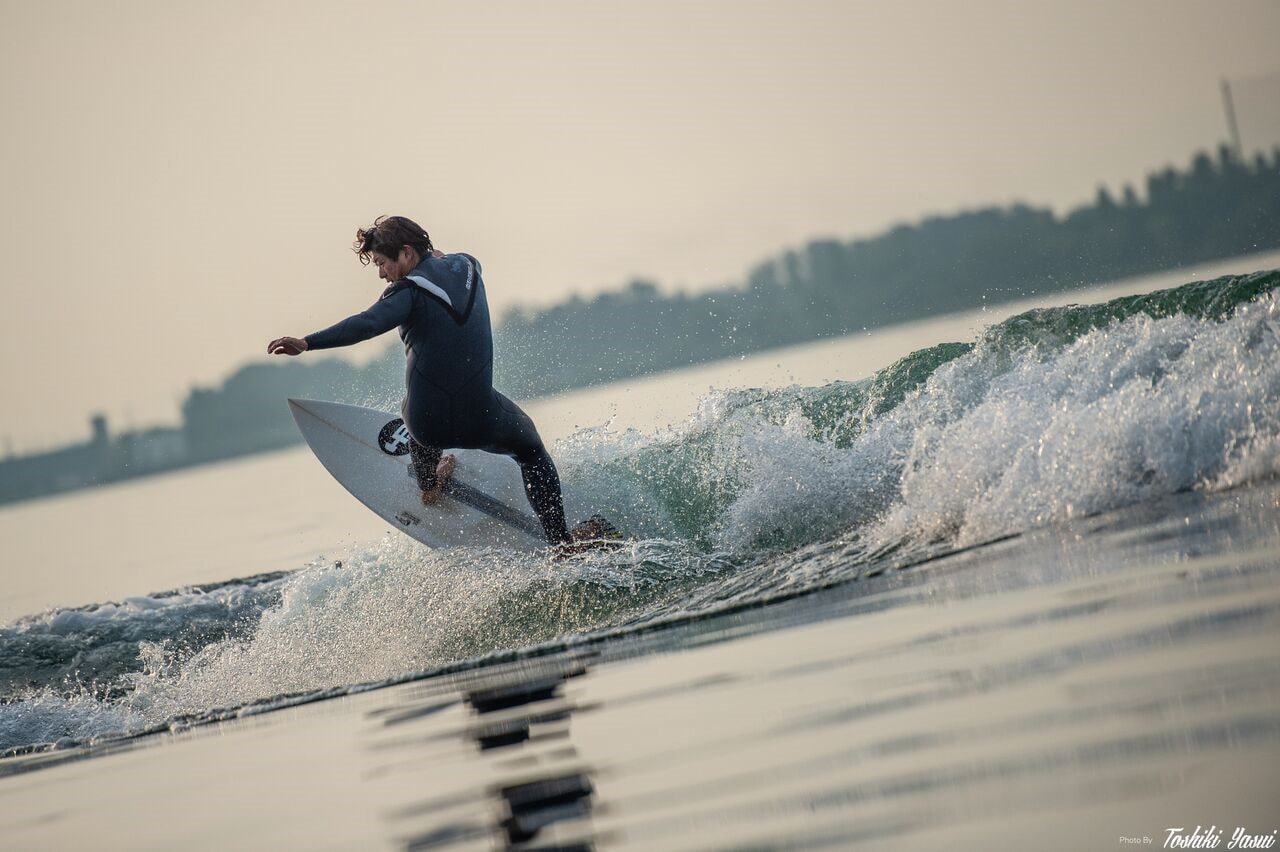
column 287, row 346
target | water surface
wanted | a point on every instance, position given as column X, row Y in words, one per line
column 1019, row 581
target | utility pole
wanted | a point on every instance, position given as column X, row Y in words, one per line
column 1234, row 131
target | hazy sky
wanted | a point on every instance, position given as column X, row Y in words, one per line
column 182, row 180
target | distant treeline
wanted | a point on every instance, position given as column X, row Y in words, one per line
column 249, row 413
column 1219, row 207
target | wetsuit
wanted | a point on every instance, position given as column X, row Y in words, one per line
column 443, row 316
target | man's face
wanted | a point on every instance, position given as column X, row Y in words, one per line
column 393, row 269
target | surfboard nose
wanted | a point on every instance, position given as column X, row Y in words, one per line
column 299, row 408
column 326, row 412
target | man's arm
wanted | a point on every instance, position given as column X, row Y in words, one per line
column 384, row 315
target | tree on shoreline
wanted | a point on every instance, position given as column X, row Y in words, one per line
column 1217, row 208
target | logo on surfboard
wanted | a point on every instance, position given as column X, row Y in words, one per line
column 408, row 518
column 394, row 438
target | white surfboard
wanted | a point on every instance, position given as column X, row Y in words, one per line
column 367, row 451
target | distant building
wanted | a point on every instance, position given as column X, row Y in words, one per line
column 97, row 461
column 98, row 425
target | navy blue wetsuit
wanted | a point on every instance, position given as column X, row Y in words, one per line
column 443, row 316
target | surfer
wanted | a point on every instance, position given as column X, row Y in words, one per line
column 438, row 302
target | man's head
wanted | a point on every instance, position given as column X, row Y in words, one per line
column 394, row 244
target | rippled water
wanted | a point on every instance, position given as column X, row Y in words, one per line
column 1117, row 675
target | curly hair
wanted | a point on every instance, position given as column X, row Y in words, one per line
column 388, row 234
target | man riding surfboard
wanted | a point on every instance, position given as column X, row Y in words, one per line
column 438, row 303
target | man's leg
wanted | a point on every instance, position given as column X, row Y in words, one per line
column 424, row 460
column 542, row 486
column 431, row 470
column 513, row 434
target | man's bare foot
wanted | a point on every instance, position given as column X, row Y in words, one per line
column 595, row 533
column 593, row 528
column 444, row 470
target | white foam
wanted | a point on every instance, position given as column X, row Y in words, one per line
column 44, row 716
column 388, row 610
column 1135, row 410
